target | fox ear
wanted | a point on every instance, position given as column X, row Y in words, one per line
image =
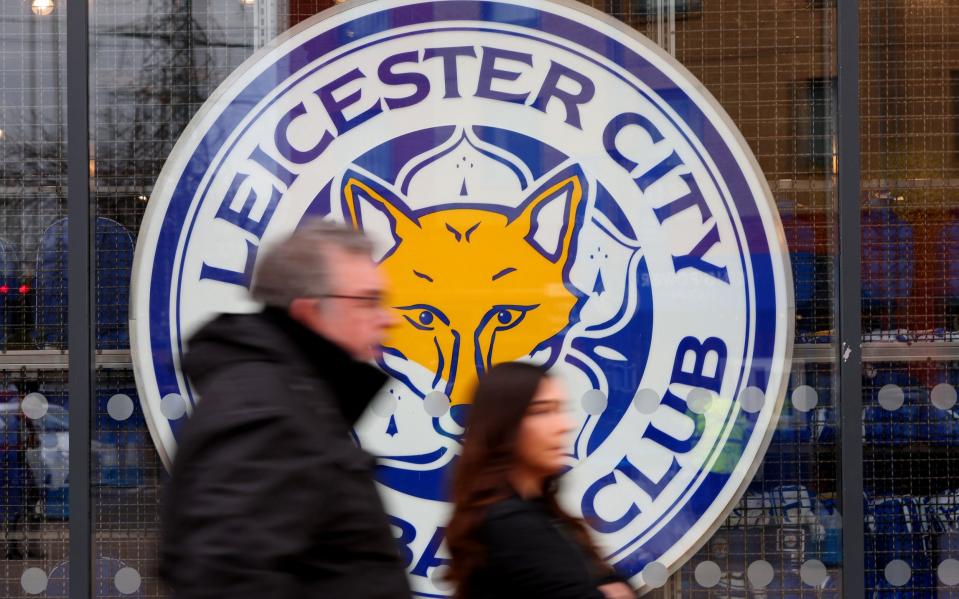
column 550, row 217
column 363, row 195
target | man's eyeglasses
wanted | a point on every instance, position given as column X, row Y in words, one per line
column 367, row 301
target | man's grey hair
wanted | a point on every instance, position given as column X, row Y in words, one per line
column 298, row 267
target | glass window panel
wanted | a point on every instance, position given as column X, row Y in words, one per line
column 909, row 224
column 153, row 63
column 34, row 423
column 771, row 67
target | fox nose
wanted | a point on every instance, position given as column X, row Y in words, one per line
column 460, row 414
column 460, row 392
column 462, row 374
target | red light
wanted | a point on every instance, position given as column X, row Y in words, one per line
column 4, row 289
column 24, row 289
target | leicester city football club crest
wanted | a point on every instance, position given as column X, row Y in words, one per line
column 541, row 184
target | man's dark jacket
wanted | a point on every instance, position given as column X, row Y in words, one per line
column 269, row 496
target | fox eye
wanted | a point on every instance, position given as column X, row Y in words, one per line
column 508, row 317
column 423, row 316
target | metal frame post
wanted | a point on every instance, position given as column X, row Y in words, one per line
column 81, row 304
column 848, row 302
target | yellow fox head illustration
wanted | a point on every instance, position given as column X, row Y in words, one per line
column 474, row 285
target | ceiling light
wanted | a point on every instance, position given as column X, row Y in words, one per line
column 42, row 8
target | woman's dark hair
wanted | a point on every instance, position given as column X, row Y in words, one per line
column 481, row 478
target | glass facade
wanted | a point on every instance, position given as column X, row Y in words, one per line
column 33, row 416
column 774, row 68
column 909, row 219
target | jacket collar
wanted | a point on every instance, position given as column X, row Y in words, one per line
column 353, row 383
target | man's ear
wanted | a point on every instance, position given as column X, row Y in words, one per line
column 551, row 216
column 305, row 310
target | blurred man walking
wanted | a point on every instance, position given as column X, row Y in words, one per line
column 269, row 496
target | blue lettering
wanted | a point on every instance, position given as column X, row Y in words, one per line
column 694, row 259
column 617, row 124
column 668, row 440
column 242, row 218
column 335, row 107
column 449, row 56
column 280, row 137
column 489, row 72
column 570, row 100
column 407, row 534
column 657, row 172
column 693, row 198
column 646, row 484
column 697, row 377
column 588, row 507
column 429, row 559
column 418, row 80
column 230, row 277
column 282, row 174
column 651, row 488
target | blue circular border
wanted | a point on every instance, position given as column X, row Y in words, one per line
column 215, row 170
column 469, row 10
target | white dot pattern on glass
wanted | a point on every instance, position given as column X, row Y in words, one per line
column 646, row 401
column 752, row 399
column 655, row 574
column 891, row 397
column 708, row 574
column 943, row 396
column 948, row 572
column 33, row 581
column 436, row 403
column 805, row 398
column 699, row 400
column 35, row 406
column 760, row 573
column 813, row 573
column 897, row 573
column 120, row 407
column 172, row 406
column 384, row 406
column 127, row 581
column 594, row 402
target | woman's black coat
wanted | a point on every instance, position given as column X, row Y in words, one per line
column 531, row 555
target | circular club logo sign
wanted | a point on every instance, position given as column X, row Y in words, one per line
column 541, row 184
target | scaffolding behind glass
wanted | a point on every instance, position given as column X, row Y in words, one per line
column 152, row 65
column 772, row 67
column 910, row 296
column 34, row 425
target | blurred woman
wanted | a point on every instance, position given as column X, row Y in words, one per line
column 508, row 536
